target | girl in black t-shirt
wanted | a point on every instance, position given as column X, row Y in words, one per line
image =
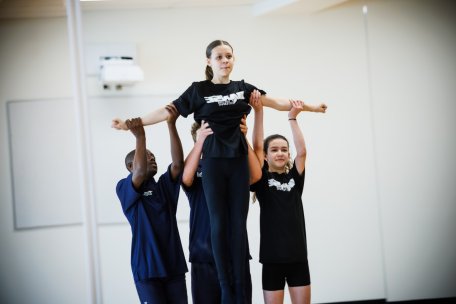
column 283, row 249
column 222, row 103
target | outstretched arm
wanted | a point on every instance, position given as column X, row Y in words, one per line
column 156, row 116
column 192, row 160
column 298, row 137
column 139, row 166
column 177, row 154
column 282, row 104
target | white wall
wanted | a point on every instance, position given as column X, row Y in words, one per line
column 380, row 216
column 413, row 77
column 39, row 265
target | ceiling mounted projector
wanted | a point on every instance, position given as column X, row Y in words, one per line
column 119, row 71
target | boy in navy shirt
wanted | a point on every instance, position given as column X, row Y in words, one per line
column 157, row 259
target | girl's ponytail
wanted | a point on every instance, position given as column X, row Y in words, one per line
column 209, row 73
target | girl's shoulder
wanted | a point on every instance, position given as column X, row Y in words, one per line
column 201, row 83
column 240, row 83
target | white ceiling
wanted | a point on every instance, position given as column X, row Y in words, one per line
column 56, row 8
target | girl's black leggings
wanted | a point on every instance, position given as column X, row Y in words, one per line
column 226, row 187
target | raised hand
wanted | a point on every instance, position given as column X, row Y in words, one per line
column 136, row 127
column 204, row 131
column 173, row 113
column 255, row 99
column 243, row 125
column 296, row 108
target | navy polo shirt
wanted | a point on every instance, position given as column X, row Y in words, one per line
column 200, row 248
column 156, row 248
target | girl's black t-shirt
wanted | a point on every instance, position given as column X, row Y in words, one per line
column 222, row 106
column 282, row 225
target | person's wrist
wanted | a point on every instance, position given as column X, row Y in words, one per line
column 291, row 118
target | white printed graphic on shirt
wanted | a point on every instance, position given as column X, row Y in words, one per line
column 225, row 100
column 148, row 193
column 282, row 187
column 199, row 174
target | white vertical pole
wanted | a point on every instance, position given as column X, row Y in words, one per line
column 374, row 146
column 84, row 140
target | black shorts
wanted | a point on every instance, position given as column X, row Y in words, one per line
column 275, row 275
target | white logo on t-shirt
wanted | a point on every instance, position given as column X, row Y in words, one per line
column 225, row 100
column 282, row 187
column 148, row 193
